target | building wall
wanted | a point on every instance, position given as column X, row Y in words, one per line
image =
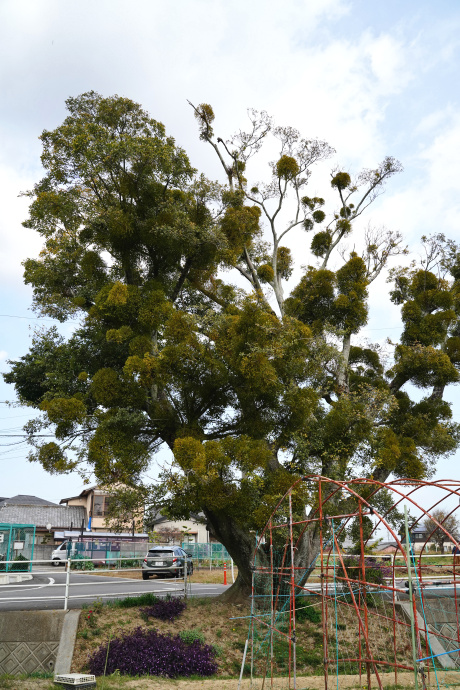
column 197, row 531
column 98, row 522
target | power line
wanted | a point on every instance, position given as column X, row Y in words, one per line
column 29, row 318
column 27, row 435
column 32, row 318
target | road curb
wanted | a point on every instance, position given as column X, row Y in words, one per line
column 9, row 578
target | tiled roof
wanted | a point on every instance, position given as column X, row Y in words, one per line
column 194, row 517
column 42, row 515
column 23, row 500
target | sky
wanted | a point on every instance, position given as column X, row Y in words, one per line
column 372, row 79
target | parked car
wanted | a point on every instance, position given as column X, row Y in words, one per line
column 59, row 555
column 166, row 561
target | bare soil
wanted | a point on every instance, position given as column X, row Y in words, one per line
column 349, row 682
column 200, row 576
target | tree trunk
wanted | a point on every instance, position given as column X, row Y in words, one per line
column 238, row 593
column 240, row 545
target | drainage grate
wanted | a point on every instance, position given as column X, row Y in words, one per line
column 75, row 680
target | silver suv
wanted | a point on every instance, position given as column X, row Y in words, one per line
column 167, row 561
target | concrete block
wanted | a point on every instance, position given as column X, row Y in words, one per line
column 29, row 640
column 67, row 642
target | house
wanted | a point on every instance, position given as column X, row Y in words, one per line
column 384, row 547
column 419, row 536
column 45, row 515
column 94, row 501
column 192, row 530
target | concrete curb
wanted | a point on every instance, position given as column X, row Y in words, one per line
column 9, row 578
column 67, row 642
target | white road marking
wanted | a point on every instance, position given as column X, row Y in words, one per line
column 21, row 589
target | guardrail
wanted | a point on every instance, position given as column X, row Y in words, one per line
column 68, row 584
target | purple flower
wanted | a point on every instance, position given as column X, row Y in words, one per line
column 147, row 652
column 165, row 609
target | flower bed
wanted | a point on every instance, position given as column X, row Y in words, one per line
column 148, row 652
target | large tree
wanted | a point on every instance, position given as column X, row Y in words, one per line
column 248, row 388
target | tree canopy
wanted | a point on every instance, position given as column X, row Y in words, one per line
column 248, row 388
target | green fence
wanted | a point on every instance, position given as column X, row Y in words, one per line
column 17, row 545
column 207, row 553
column 105, row 549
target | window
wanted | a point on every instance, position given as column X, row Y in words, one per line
column 100, row 505
column 159, row 553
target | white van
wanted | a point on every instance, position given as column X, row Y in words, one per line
column 59, row 555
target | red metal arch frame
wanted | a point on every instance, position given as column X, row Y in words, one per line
column 327, row 488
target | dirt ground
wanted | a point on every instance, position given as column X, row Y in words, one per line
column 405, row 680
column 201, row 576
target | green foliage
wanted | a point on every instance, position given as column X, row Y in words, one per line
column 287, row 167
column 81, row 563
column 189, row 636
column 321, row 243
column 19, row 564
column 305, row 611
column 341, row 180
column 248, row 389
column 147, row 599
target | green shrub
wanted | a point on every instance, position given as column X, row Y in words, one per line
column 304, row 611
column 189, row 636
column 19, row 565
column 82, row 563
column 130, row 602
column 218, row 650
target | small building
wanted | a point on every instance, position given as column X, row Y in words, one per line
column 191, row 531
column 386, row 547
column 94, row 502
column 46, row 516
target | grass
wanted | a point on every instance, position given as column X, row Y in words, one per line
column 200, row 620
column 225, row 626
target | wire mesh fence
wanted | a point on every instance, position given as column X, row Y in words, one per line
column 16, row 546
column 208, row 554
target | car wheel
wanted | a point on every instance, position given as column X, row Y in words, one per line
column 145, row 576
column 56, row 562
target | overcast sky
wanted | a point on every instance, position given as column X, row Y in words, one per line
column 373, row 79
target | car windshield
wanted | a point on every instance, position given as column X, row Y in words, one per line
column 161, row 554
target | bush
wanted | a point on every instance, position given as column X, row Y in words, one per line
column 132, row 563
column 189, row 636
column 165, row 609
column 17, row 565
column 376, row 571
column 82, row 563
column 147, row 652
column 130, row 602
column 304, row 611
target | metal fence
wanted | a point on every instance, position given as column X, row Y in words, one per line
column 16, row 547
column 72, row 586
column 208, row 554
column 102, row 549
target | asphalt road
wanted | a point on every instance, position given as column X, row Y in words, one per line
column 47, row 590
